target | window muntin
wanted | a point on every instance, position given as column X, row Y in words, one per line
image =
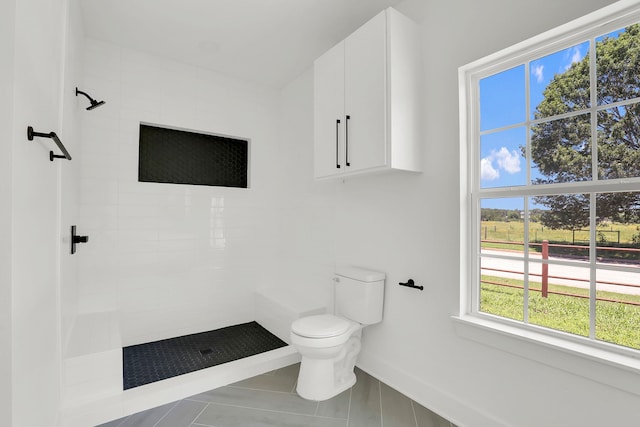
column 584, row 129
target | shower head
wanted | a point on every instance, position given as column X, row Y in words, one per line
column 94, row 103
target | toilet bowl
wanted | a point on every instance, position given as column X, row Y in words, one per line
column 329, row 346
column 329, row 343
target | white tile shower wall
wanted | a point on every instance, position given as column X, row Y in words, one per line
column 173, row 259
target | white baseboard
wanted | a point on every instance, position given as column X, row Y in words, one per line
column 439, row 401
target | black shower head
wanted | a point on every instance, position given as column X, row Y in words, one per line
column 94, row 103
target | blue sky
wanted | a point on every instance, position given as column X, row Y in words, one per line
column 502, row 103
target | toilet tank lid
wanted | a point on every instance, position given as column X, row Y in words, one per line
column 361, row 274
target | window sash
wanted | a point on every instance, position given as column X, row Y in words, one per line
column 589, row 29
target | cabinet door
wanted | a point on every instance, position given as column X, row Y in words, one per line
column 329, row 113
column 365, row 96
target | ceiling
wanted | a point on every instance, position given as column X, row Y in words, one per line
column 268, row 42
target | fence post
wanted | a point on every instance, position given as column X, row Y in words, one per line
column 545, row 268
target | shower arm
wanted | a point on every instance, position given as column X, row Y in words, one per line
column 52, row 135
column 78, row 91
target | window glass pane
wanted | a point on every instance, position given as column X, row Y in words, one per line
column 618, row 228
column 501, row 292
column 561, row 215
column 618, row 65
column 502, row 99
column 559, row 227
column 619, row 142
column 502, row 233
column 618, row 308
column 502, row 225
column 501, row 158
column 561, row 150
column 559, row 83
column 559, row 297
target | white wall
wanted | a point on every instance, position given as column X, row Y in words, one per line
column 172, row 259
column 72, row 110
column 37, row 85
column 407, row 226
column 307, row 208
column 7, row 52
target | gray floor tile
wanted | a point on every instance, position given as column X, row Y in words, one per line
column 183, row 414
column 336, row 407
column 232, row 416
column 148, row 418
column 365, row 408
column 283, row 379
column 427, row 418
column 259, row 399
column 396, row 408
column 115, row 423
column 269, row 400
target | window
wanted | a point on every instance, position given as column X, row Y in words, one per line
column 551, row 144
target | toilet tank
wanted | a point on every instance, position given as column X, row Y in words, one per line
column 359, row 294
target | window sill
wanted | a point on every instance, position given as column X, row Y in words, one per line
column 606, row 367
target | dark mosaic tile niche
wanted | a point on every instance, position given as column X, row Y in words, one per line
column 182, row 157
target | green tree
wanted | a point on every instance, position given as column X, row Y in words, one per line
column 561, row 149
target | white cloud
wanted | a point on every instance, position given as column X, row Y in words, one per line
column 487, row 171
column 508, row 161
column 538, row 72
column 574, row 55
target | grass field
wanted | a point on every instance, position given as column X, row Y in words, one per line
column 612, row 235
column 616, row 323
column 513, row 231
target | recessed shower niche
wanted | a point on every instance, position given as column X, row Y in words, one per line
column 188, row 157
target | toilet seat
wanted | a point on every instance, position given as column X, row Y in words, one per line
column 321, row 326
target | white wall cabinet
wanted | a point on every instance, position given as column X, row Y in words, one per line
column 366, row 100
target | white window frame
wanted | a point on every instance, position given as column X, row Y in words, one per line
column 598, row 360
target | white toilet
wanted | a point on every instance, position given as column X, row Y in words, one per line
column 329, row 344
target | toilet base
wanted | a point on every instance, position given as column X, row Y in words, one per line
column 324, row 378
column 315, row 384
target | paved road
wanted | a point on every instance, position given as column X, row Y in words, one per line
column 580, row 271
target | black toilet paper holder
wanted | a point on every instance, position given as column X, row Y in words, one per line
column 411, row 284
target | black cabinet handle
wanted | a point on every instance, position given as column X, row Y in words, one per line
column 338, row 144
column 346, row 142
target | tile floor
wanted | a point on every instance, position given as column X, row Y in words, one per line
column 270, row 400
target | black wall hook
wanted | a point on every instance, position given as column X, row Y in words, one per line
column 411, row 284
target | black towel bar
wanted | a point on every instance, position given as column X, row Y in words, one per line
column 31, row 134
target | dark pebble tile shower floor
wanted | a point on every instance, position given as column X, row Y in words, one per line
column 270, row 400
column 159, row 360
